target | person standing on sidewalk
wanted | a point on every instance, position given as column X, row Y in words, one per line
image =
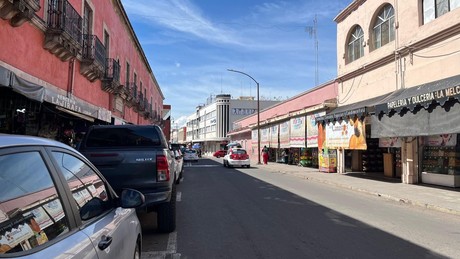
column 285, row 155
column 265, row 154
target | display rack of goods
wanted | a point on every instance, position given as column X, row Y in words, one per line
column 441, row 160
column 372, row 157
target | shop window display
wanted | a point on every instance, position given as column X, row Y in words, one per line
column 441, row 160
column 308, row 157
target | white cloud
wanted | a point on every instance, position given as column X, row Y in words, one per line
column 181, row 16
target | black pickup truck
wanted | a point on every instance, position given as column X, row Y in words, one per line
column 136, row 157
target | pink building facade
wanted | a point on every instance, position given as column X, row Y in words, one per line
column 69, row 64
column 288, row 126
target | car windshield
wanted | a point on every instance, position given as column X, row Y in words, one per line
column 190, row 151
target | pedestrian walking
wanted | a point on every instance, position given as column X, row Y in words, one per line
column 265, row 154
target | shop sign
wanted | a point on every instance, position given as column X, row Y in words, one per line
column 297, row 134
column 104, row 114
column 284, row 134
column 54, row 208
column 274, row 136
column 242, row 111
column 16, row 235
column 425, row 97
column 254, row 136
column 441, row 140
column 390, row 142
column 264, row 136
column 42, row 219
column 72, row 104
column 348, row 134
column 312, row 129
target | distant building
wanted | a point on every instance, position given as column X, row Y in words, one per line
column 210, row 123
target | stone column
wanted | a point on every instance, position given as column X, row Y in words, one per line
column 409, row 159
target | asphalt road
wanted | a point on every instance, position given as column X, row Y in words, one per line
column 252, row 213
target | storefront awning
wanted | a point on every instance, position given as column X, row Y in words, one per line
column 351, row 110
column 5, row 76
column 437, row 92
column 28, row 89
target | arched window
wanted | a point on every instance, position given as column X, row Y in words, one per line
column 384, row 30
column 355, row 44
column 432, row 9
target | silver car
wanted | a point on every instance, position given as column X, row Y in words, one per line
column 55, row 204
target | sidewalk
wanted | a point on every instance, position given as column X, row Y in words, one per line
column 443, row 199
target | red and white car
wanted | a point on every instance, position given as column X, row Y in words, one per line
column 237, row 157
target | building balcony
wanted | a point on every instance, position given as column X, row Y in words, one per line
column 18, row 11
column 148, row 110
column 128, row 93
column 93, row 58
column 111, row 79
column 139, row 102
column 63, row 34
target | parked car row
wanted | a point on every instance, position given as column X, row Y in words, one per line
column 56, row 201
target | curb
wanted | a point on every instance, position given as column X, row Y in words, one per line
column 368, row 192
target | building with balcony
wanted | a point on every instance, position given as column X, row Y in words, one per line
column 210, row 123
column 69, row 64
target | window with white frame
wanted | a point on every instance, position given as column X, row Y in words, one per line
column 355, row 44
column 432, row 9
column 384, row 30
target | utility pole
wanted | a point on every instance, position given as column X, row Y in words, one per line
column 312, row 31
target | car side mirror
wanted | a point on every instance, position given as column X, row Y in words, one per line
column 131, row 198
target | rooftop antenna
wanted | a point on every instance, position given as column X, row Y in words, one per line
column 312, row 32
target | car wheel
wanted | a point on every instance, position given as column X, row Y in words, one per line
column 248, row 166
column 137, row 251
column 166, row 218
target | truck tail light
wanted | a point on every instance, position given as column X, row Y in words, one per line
column 162, row 168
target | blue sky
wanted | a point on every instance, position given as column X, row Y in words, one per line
column 190, row 44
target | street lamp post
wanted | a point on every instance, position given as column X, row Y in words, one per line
column 258, row 113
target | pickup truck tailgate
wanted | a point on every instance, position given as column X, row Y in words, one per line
column 126, row 168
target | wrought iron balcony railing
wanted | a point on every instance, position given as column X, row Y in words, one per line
column 128, row 93
column 111, row 80
column 63, row 35
column 93, row 58
column 93, row 49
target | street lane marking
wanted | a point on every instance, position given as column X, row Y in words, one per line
column 172, row 243
column 171, row 250
column 179, row 196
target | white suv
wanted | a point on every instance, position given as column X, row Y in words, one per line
column 237, row 157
